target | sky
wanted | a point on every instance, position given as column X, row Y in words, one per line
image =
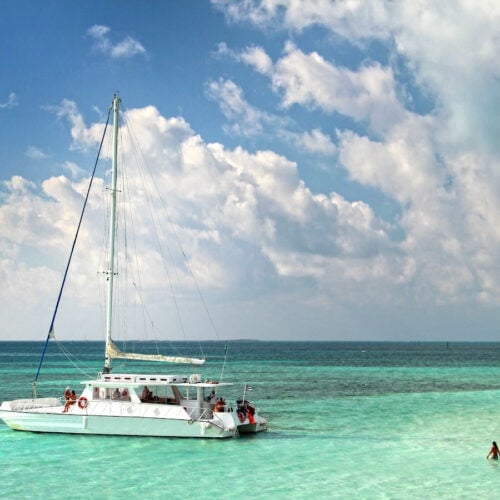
column 334, row 165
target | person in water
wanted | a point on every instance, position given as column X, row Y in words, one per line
column 494, row 452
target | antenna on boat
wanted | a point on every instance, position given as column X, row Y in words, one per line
column 112, row 234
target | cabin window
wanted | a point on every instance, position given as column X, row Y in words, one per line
column 121, row 394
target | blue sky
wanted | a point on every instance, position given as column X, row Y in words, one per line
column 339, row 159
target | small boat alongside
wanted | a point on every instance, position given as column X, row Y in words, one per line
column 133, row 404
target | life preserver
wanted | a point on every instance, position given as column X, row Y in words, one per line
column 241, row 416
column 82, row 403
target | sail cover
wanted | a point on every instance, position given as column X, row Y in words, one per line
column 113, row 352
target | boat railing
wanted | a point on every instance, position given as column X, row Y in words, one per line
column 143, row 410
column 197, row 413
column 206, row 415
column 28, row 404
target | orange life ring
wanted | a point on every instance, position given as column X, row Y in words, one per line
column 82, row 403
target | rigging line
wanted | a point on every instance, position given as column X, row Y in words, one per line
column 69, row 356
column 127, row 200
column 155, row 225
column 123, row 282
column 128, row 219
column 188, row 266
column 226, row 349
column 51, row 328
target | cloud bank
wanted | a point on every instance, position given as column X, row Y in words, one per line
column 414, row 129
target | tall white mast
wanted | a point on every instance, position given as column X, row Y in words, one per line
column 112, row 234
column 112, row 350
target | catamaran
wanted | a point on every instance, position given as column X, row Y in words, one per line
column 133, row 404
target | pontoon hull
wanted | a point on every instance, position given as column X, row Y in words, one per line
column 52, row 419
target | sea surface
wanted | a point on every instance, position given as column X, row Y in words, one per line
column 346, row 420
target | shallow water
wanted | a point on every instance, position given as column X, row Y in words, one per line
column 359, row 420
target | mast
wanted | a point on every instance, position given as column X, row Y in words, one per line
column 111, row 350
column 112, row 235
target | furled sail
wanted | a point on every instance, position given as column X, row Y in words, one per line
column 113, row 352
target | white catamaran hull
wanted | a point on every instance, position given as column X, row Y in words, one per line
column 126, row 418
column 117, row 419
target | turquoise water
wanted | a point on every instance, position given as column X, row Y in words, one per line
column 347, row 420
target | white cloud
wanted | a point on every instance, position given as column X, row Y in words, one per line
column 228, row 207
column 11, row 102
column 126, row 48
column 257, row 57
column 316, row 141
column 73, row 169
column 245, row 119
column 449, row 49
column 248, row 219
column 36, row 153
column 440, row 166
column 83, row 137
column 253, row 56
column 357, row 18
column 367, row 94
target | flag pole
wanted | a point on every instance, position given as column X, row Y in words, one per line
column 245, row 389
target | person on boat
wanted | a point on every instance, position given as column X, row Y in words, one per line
column 494, row 451
column 117, row 394
column 70, row 401
column 212, row 398
column 219, row 406
column 146, row 395
column 67, row 393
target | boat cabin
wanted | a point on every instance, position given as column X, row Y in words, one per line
column 188, row 392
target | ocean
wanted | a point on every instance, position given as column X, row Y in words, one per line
column 346, row 420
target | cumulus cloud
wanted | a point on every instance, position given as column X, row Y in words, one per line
column 225, row 205
column 249, row 218
column 438, row 163
column 367, row 94
column 126, row 48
